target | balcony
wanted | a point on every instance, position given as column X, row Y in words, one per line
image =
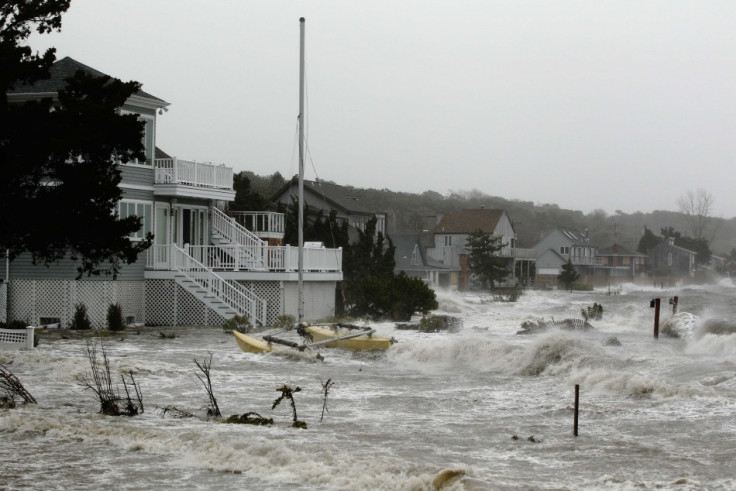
column 188, row 179
column 264, row 224
column 585, row 260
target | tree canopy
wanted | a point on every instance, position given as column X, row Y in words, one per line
column 59, row 157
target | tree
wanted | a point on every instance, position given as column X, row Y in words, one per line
column 317, row 228
column 246, row 199
column 371, row 255
column 371, row 288
column 569, row 275
column 647, row 241
column 59, row 159
column 697, row 207
column 482, row 259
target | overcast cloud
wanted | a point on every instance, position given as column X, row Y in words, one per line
column 613, row 105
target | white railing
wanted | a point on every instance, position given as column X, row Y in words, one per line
column 239, row 299
column 231, row 257
column 315, row 259
column 522, row 253
column 176, row 171
column 273, row 258
column 17, row 338
column 588, row 261
column 259, row 304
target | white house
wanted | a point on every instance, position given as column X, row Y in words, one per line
column 203, row 267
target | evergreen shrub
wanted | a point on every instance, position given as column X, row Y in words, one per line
column 115, row 320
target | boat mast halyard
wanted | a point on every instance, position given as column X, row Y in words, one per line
column 300, row 226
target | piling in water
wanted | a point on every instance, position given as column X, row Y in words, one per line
column 655, row 303
column 577, row 404
column 673, row 302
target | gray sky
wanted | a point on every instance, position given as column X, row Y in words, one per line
column 614, row 105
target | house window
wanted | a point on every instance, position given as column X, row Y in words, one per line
column 564, row 250
column 142, row 209
column 669, row 259
column 448, row 240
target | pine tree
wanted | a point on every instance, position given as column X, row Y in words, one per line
column 569, row 275
column 482, row 259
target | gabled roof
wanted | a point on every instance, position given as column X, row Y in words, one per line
column 555, row 255
column 576, row 236
column 665, row 246
column 404, row 247
column 617, row 250
column 342, row 198
column 466, row 221
column 65, row 68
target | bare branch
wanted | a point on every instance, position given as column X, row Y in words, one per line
column 204, row 366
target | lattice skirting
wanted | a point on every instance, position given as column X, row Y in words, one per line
column 41, row 301
column 168, row 304
column 153, row 302
column 3, row 302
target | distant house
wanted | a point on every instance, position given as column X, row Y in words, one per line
column 327, row 196
column 450, row 237
column 412, row 259
column 620, row 264
column 560, row 245
column 666, row 260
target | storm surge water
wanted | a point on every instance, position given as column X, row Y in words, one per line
column 477, row 408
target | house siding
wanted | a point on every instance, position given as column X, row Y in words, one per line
column 135, row 175
column 22, row 267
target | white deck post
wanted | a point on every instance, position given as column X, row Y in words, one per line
column 29, row 336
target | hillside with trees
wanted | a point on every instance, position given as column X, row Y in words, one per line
column 408, row 212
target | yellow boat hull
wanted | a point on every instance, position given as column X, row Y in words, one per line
column 249, row 344
column 360, row 343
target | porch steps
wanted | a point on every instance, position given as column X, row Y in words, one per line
column 226, row 232
column 206, row 297
column 245, row 259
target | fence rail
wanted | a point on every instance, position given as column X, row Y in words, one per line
column 17, row 338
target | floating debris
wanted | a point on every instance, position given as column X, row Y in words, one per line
column 572, row 324
column 612, row 341
column 434, row 323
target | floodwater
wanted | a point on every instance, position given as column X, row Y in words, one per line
column 492, row 408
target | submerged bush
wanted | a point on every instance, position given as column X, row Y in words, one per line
column 115, row 321
column 240, row 323
column 16, row 324
column 285, row 322
column 81, row 318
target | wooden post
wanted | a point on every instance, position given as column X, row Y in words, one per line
column 674, row 301
column 577, row 404
column 655, row 303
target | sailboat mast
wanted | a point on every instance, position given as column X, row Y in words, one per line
column 300, row 307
